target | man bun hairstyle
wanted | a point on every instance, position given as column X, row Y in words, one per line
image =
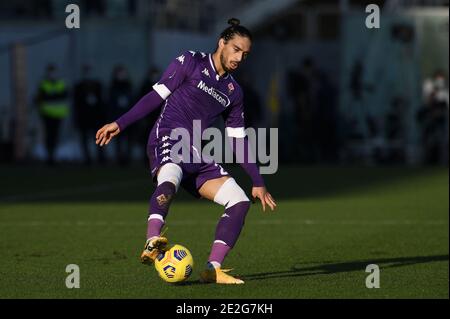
column 234, row 21
column 235, row 28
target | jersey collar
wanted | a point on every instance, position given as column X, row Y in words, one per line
column 218, row 77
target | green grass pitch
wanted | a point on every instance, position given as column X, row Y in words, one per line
column 331, row 223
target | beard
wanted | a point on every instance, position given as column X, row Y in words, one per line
column 223, row 62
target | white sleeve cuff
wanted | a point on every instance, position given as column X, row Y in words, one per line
column 162, row 90
column 238, row 132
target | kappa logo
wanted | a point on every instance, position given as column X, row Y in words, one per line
column 222, row 171
column 181, row 59
column 165, row 151
column 206, row 72
column 225, row 215
column 165, row 159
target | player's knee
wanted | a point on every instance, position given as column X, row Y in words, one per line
column 230, row 194
column 172, row 173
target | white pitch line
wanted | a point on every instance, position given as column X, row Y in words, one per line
column 307, row 222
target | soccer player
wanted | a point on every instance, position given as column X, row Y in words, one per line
column 197, row 86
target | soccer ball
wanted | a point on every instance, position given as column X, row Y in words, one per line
column 175, row 264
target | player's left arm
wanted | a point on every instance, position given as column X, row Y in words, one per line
column 249, row 165
column 235, row 129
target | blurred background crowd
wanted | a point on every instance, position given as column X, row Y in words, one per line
column 338, row 91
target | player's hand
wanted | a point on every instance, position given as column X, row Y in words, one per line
column 264, row 196
column 106, row 133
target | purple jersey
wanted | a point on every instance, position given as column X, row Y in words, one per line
column 193, row 90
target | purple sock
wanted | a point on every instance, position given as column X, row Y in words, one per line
column 159, row 207
column 154, row 227
column 228, row 230
column 219, row 251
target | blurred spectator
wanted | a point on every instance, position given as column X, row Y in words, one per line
column 302, row 89
column 254, row 112
column 120, row 100
column 143, row 127
column 358, row 88
column 356, row 83
column 433, row 117
column 252, row 103
column 26, row 9
column 396, row 130
column 52, row 102
column 132, row 7
column 150, row 78
column 88, row 111
column 325, row 120
column 43, row 8
column 94, row 7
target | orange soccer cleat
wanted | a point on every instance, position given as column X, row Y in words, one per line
column 152, row 248
column 219, row 276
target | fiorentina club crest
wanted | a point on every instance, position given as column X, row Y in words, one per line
column 230, row 87
column 163, row 200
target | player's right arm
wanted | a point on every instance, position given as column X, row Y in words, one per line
column 106, row 133
column 172, row 78
column 149, row 103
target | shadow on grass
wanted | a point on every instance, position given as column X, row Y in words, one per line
column 333, row 268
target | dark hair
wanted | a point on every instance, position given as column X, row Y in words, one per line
column 233, row 29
